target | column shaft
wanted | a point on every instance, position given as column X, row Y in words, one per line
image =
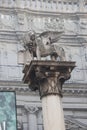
column 53, row 113
column 32, row 121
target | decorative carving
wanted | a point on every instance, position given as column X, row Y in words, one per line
column 56, row 24
column 42, row 45
column 21, row 19
column 41, row 23
column 48, row 76
column 31, row 109
column 83, row 26
column 51, row 82
column 29, row 21
column 7, row 22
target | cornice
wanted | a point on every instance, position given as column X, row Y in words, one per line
column 16, row 10
column 68, row 89
column 75, row 92
column 75, row 89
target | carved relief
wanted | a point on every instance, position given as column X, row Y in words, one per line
column 71, row 25
column 49, row 86
column 54, row 24
column 20, row 19
column 52, row 83
column 30, row 22
column 83, row 26
column 40, row 23
column 7, row 22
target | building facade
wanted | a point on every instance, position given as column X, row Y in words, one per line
column 17, row 17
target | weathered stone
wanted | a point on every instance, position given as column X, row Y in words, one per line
column 48, row 77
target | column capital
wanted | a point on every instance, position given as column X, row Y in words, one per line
column 31, row 109
column 52, row 83
column 47, row 76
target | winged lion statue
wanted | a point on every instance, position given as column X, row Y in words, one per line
column 44, row 44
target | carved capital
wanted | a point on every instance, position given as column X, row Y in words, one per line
column 48, row 76
column 31, row 109
column 52, row 83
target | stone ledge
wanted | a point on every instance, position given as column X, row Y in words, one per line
column 46, row 66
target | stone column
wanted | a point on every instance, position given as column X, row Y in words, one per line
column 32, row 119
column 48, row 77
column 51, row 93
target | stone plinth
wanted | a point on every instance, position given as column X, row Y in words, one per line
column 48, row 77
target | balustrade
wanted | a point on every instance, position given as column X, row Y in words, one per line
column 44, row 5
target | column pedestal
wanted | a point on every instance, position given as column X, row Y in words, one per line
column 48, row 77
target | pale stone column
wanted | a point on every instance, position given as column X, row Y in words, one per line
column 32, row 119
column 53, row 113
column 51, row 93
